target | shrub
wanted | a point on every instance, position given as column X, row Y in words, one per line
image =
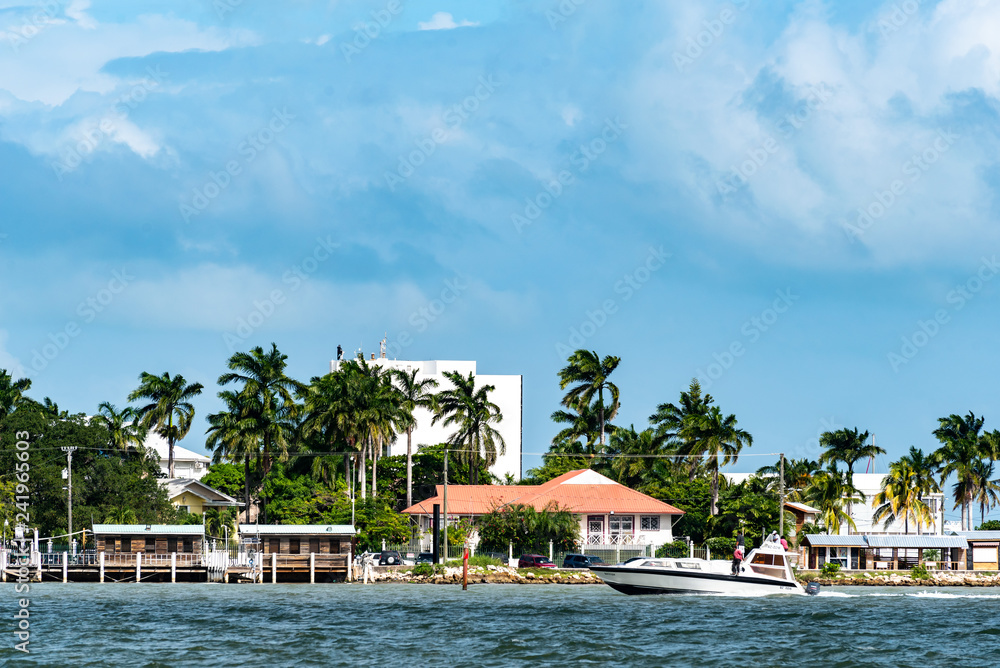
column 675, row 550
column 830, row 569
column 721, row 547
column 424, row 569
column 919, row 572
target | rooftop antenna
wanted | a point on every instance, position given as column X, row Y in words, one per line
column 871, row 460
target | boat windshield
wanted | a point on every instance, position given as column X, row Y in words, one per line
column 772, row 565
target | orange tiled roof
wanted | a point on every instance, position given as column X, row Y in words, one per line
column 593, row 493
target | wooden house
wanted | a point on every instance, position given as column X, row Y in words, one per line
column 984, row 550
column 149, row 538
column 294, row 539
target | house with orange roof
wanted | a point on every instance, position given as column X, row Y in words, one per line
column 609, row 513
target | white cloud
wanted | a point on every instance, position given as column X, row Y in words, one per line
column 443, row 21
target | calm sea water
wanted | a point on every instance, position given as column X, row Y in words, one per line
column 498, row 625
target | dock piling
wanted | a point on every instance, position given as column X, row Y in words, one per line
column 138, row 566
column 312, row 568
column 100, row 561
column 173, row 567
column 274, row 569
column 65, row 565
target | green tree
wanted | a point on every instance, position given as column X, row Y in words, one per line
column 721, row 440
column 829, row 492
column 634, row 455
column 264, row 385
column 124, row 431
column 169, row 410
column 413, row 394
column 848, row 446
column 232, row 437
column 899, row 497
column 528, row 529
column 469, row 410
column 11, row 392
column 588, row 374
column 678, row 426
column 961, row 447
column 987, row 491
column 582, row 432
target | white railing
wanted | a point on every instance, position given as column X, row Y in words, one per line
column 615, row 539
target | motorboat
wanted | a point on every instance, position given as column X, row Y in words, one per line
column 764, row 571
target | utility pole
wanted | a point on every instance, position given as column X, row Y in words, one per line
column 781, row 508
column 445, row 528
column 69, row 479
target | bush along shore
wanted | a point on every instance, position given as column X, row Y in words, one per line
column 428, row 574
column 914, row 578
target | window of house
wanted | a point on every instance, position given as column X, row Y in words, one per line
column 314, row 545
column 274, row 545
column 185, row 509
column 171, row 545
column 150, row 545
column 294, row 546
column 188, row 545
column 620, row 524
column 649, row 523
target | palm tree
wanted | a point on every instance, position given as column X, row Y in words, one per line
column 413, row 394
column 634, row 455
column 899, row 497
column 470, row 410
column 720, row 438
column 829, row 491
column 232, row 436
column 925, row 476
column 124, row 431
column 169, row 410
column 961, row 448
column 986, row 492
column 264, row 382
column 51, row 409
column 120, row 515
column 218, row 519
column 583, row 423
column 11, row 392
column 798, row 475
column 848, row 446
column 677, row 424
column 590, row 373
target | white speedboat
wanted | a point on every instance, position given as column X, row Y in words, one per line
column 764, row 571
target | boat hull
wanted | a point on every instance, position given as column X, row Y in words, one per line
column 647, row 581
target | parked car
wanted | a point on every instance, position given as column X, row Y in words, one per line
column 393, row 558
column 580, row 561
column 425, row 558
column 534, row 561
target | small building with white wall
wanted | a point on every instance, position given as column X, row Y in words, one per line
column 507, row 395
column 187, row 464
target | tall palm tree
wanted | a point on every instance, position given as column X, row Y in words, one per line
column 899, row 498
column 848, row 446
column 232, row 436
column 720, row 438
column 925, row 476
column 262, row 379
column 124, row 431
column 413, row 394
column 961, row 447
column 589, row 374
column 169, row 410
column 678, row 424
column 829, row 491
column 987, row 491
column 11, row 392
column 798, row 475
column 470, row 411
column 51, row 410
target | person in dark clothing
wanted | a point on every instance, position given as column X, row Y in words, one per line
column 737, row 559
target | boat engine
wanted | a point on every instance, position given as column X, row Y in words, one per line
column 813, row 588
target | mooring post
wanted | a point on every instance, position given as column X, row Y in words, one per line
column 138, row 566
column 100, row 561
column 312, row 568
column 173, row 567
column 465, row 569
column 3, row 565
column 65, row 566
column 274, row 568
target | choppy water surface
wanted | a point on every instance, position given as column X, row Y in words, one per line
column 498, row 625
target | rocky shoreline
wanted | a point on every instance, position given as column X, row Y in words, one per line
column 955, row 579
column 489, row 575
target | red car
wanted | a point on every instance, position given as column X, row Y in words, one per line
column 534, row 561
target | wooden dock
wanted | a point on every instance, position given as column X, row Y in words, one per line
column 176, row 567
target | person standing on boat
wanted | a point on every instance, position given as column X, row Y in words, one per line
column 784, row 544
column 737, row 559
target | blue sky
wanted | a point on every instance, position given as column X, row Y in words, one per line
column 802, row 194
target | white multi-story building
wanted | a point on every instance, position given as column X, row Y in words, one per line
column 507, row 396
column 863, row 514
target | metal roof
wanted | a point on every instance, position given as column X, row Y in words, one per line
column 909, row 541
column 979, row 535
column 823, row 540
column 294, row 529
column 152, row 529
